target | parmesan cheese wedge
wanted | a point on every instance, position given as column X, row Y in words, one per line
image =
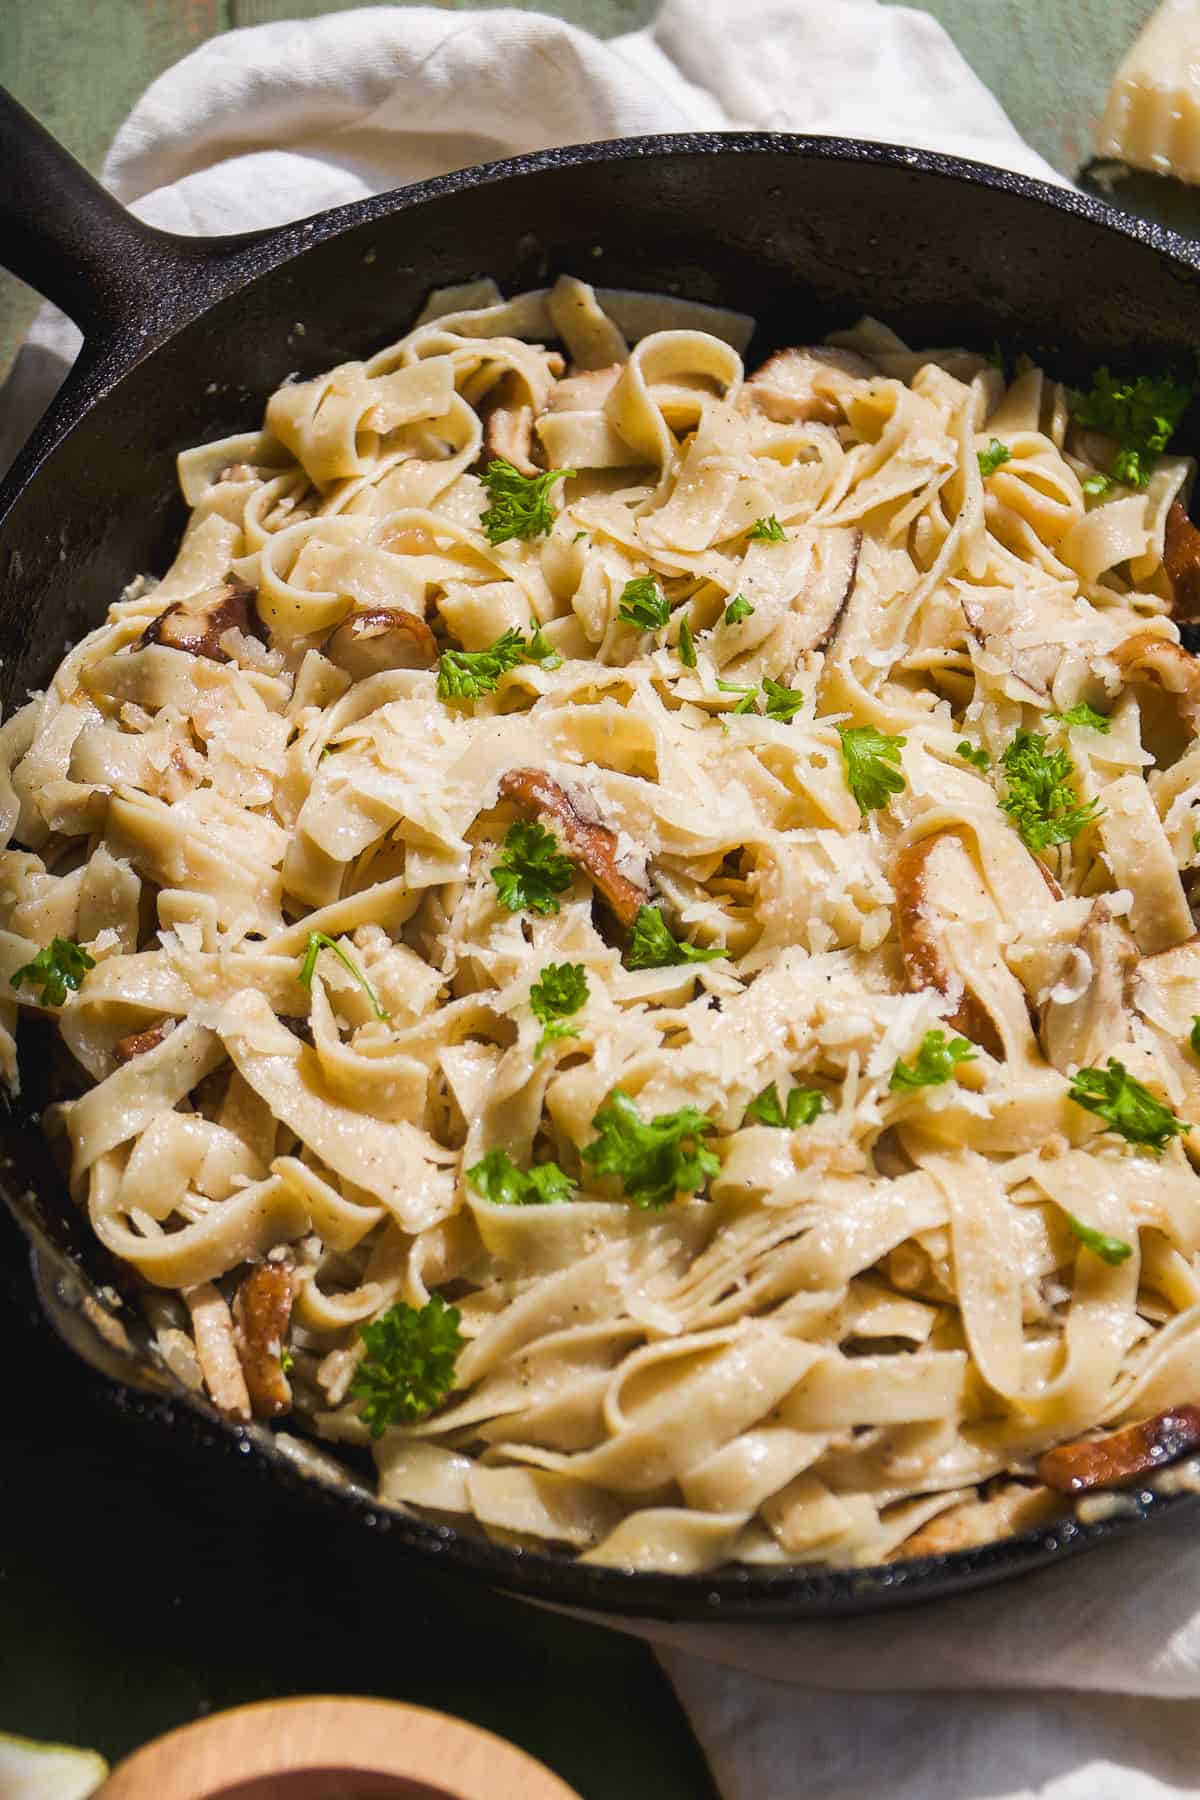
column 1152, row 119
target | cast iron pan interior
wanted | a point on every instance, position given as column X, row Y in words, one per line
column 185, row 339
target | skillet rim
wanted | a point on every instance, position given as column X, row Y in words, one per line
column 200, row 273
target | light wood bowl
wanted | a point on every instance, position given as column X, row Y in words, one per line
column 332, row 1749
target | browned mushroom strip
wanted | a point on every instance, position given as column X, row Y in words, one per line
column 197, row 625
column 826, row 597
column 1181, row 559
column 385, row 638
column 138, row 1042
column 1095, row 1023
column 1123, row 1457
column 261, row 1311
column 1147, row 657
column 508, row 425
column 922, row 871
column 591, row 844
column 788, row 386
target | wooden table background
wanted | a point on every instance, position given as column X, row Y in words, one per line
column 130, row 1599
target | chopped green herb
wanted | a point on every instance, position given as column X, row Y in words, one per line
column 1040, row 799
column 977, row 757
column 287, row 1361
column 1098, row 485
column 540, row 650
column 1086, row 715
column 531, row 870
column 318, row 941
column 996, row 356
column 1109, row 1249
column 561, row 991
column 990, row 459
column 934, row 1063
column 739, row 608
column 1196, row 841
column 520, row 504
column 643, row 604
column 469, row 674
column 654, row 1158
column 749, row 695
column 409, row 1366
column 767, row 531
column 868, row 755
column 60, row 965
column 687, row 645
column 802, row 1107
column 1194, row 1034
column 1126, row 1106
column 578, row 535
column 651, row 945
column 1141, row 414
column 783, row 703
column 498, row 1179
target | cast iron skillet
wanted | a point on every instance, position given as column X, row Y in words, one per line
column 184, row 339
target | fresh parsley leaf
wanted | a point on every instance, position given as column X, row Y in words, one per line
column 318, row 941
column 783, row 703
column 651, row 945
column 578, row 535
column 519, row 504
column 539, row 648
column 287, row 1361
column 749, row 695
column 802, row 1107
column 1194, row 1034
column 500, row 1181
column 1084, row 714
column 739, row 608
column 868, row 755
column 990, row 459
column 977, row 757
column 767, row 531
column 1196, row 841
column 561, row 991
column 1109, row 1249
column 1040, row 800
column 1098, row 485
column 643, row 604
column 654, row 1158
column 934, row 1063
column 1126, row 1106
column 687, row 645
column 531, row 870
column 409, row 1366
column 1141, row 414
column 59, row 966
column 469, row 674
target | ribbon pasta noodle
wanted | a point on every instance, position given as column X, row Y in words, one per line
column 255, row 802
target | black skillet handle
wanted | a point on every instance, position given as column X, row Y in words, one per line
column 61, row 232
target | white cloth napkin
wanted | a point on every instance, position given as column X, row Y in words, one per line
column 1081, row 1684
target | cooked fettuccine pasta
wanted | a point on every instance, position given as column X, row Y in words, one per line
column 629, row 927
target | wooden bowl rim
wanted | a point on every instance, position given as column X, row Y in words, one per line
column 330, row 1731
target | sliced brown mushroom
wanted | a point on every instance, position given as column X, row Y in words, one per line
column 826, row 597
column 1181, row 559
column 216, row 1350
column 138, row 1042
column 1082, row 1030
column 1148, row 657
column 198, row 624
column 998, row 624
column 981, row 1522
column 508, row 425
column 587, row 841
column 384, row 638
column 788, row 387
column 1122, row 1457
column 583, row 390
column 932, row 878
column 262, row 1311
